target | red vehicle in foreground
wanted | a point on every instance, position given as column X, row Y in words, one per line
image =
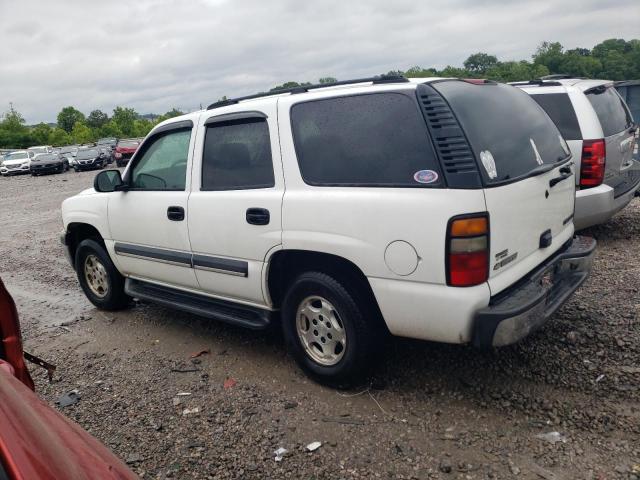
column 37, row 442
column 125, row 150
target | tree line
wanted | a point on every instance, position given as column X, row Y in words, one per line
column 612, row 59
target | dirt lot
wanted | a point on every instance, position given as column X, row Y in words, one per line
column 432, row 411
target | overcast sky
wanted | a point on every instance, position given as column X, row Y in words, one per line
column 154, row 55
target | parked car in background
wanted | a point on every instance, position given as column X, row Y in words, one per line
column 16, row 162
column 40, row 149
column 48, row 163
column 89, row 159
column 599, row 129
column 69, row 153
column 263, row 206
column 106, row 151
column 125, row 150
column 110, row 141
column 36, row 441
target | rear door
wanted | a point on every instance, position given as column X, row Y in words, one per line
column 617, row 127
column 527, row 172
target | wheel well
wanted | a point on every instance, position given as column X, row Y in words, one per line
column 77, row 232
column 286, row 265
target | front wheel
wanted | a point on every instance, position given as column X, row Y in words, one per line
column 100, row 280
column 328, row 331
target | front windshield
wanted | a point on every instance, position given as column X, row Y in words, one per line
column 38, row 150
column 87, row 154
column 45, row 157
column 17, row 156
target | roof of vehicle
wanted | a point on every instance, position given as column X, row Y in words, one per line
column 303, row 92
column 555, row 85
column 39, row 146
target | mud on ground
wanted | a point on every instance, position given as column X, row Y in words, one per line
column 431, row 411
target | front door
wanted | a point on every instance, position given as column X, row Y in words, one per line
column 148, row 222
column 235, row 203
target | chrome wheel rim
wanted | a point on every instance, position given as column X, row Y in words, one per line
column 321, row 331
column 96, row 276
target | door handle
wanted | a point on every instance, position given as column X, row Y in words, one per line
column 554, row 181
column 258, row 216
column 175, row 214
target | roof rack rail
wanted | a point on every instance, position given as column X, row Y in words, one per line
column 305, row 88
column 558, row 76
column 541, row 82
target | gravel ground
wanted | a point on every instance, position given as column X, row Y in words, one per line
column 431, row 411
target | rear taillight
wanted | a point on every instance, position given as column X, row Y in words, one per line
column 593, row 163
column 468, row 250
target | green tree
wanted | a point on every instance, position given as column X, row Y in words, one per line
column 289, row 85
column 419, row 72
column 80, row 133
column 13, row 132
column 125, row 119
column 58, row 137
column 550, row 54
column 40, row 133
column 97, row 118
column 141, row 127
column 325, row 80
column 68, row 117
column 109, row 129
column 480, row 62
column 576, row 63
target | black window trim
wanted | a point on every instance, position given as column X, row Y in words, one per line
column 216, row 121
column 407, row 93
column 143, row 147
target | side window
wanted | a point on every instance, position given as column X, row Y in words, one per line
column 611, row 111
column 237, row 155
column 163, row 164
column 558, row 106
column 372, row 140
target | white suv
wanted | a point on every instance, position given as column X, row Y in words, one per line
column 597, row 125
column 434, row 209
column 16, row 162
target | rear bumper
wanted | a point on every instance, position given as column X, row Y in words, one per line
column 597, row 205
column 515, row 313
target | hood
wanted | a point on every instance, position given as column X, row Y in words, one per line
column 15, row 162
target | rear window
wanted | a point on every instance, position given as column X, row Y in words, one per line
column 612, row 113
column 558, row 106
column 509, row 133
column 375, row 140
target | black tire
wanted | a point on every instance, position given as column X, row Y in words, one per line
column 364, row 344
column 75, row 169
column 115, row 298
column 61, row 168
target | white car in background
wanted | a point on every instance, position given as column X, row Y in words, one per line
column 16, row 162
column 598, row 127
column 40, row 149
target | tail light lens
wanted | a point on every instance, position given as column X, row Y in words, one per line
column 10, row 339
column 468, row 250
column 593, row 163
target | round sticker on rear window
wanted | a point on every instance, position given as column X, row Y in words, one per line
column 425, row 176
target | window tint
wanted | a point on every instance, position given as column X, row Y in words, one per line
column 558, row 106
column 612, row 113
column 237, row 155
column 509, row 133
column 364, row 140
column 163, row 164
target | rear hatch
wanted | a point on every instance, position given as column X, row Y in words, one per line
column 618, row 131
column 527, row 173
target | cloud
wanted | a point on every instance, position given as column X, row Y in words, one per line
column 154, row 55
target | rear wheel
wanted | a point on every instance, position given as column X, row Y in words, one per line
column 328, row 331
column 100, row 280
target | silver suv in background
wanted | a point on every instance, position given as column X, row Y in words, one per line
column 599, row 129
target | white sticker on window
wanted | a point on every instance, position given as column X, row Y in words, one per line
column 535, row 151
column 489, row 163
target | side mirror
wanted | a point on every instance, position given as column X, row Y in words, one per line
column 108, row 181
